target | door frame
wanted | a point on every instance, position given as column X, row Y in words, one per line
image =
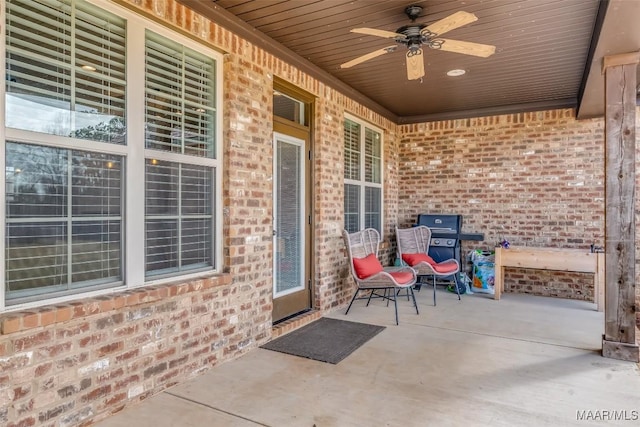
column 287, row 128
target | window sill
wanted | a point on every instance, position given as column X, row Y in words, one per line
column 20, row 321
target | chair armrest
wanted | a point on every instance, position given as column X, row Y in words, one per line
column 400, row 269
column 384, row 279
column 425, row 269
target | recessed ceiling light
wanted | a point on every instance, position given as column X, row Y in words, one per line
column 88, row 68
column 455, row 73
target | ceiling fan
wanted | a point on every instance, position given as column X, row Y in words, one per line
column 414, row 36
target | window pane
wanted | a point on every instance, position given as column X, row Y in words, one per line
column 351, row 150
column 47, row 88
column 162, row 183
column 162, row 246
column 36, row 258
column 196, row 242
column 196, row 190
column 96, row 251
column 372, row 159
column 351, row 208
column 179, row 220
column 180, row 98
column 96, row 184
column 36, row 181
column 49, row 247
column 288, row 108
column 373, row 208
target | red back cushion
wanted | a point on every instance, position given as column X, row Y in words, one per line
column 367, row 266
column 413, row 259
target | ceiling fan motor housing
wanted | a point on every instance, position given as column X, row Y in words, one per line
column 416, row 36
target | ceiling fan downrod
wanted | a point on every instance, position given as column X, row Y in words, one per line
column 413, row 12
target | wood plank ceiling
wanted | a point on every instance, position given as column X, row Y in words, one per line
column 544, row 50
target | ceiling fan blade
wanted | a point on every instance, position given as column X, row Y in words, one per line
column 378, row 33
column 368, row 56
column 451, row 22
column 415, row 65
column 467, row 48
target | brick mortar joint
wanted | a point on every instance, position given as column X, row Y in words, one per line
column 14, row 322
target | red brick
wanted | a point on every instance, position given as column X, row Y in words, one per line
column 31, row 341
column 97, row 393
column 11, row 324
column 47, row 317
column 63, row 313
column 30, row 320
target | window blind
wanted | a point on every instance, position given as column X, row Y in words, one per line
column 178, row 217
column 63, row 215
column 351, row 208
column 372, row 207
column 351, row 150
column 362, row 191
column 65, row 69
column 180, row 103
column 372, row 156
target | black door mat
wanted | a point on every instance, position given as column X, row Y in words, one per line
column 327, row 340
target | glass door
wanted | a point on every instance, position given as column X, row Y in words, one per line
column 290, row 224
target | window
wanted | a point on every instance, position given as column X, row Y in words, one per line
column 362, row 176
column 180, row 118
column 77, row 157
column 65, row 63
column 64, row 223
column 178, row 217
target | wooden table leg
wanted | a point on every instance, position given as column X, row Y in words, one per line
column 498, row 281
column 599, row 280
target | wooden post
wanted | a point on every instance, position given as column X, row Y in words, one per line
column 619, row 340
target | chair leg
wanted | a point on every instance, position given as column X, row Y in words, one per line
column 408, row 295
column 352, row 300
column 414, row 299
column 395, row 303
column 434, row 291
column 455, row 282
column 370, row 296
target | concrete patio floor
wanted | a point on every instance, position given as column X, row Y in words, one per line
column 520, row 361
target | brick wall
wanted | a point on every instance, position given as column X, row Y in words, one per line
column 535, row 178
column 67, row 364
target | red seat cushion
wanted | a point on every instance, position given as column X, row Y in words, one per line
column 445, row 267
column 367, row 266
column 417, row 258
column 402, row 277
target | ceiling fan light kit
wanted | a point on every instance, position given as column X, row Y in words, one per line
column 456, row 72
column 416, row 36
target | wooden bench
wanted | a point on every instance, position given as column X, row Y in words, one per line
column 577, row 260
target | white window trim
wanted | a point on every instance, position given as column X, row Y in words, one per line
column 133, row 264
column 3, row 138
column 361, row 182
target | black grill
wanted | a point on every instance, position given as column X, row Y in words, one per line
column 446, row 234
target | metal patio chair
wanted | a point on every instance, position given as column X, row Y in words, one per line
column 370, row 276
column 413, row 250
